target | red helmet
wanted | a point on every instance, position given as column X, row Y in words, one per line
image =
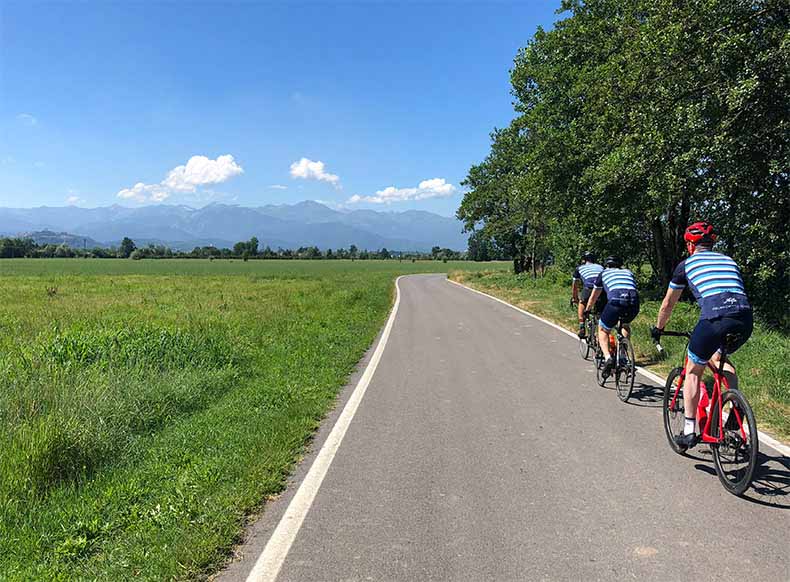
column 700, row 232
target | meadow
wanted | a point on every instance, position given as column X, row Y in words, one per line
column 763, row 364
column 148, row 407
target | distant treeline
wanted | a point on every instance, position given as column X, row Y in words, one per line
column 27, row 248
column 634, row 118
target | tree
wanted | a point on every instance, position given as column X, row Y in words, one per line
column 479, row 247
column 126, row 248
column 635, row 117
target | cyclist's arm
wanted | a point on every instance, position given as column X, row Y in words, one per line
column 596, row 293
column 677, row 283
column 667, row 305
column 577, row 280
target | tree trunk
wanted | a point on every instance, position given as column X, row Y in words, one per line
column 659, row 242
column 533, row 260
column 679, row 245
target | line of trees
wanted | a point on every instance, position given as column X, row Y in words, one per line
column 245, row 250
column 634, row 118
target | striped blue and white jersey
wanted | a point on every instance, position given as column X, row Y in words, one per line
column 587, row 273
column 619, row 284
column 715, row 280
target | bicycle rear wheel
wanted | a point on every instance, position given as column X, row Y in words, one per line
column 736, row 456
column 625, row 369
column 673, row 408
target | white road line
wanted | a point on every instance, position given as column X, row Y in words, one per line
column 781, row 448
column 268, row 564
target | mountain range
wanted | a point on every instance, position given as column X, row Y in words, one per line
column 288, row 226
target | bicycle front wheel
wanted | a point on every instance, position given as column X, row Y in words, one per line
column 584, row 348
column 625, row 369
column 736, row 456
column 598, row 360
column 673, row 408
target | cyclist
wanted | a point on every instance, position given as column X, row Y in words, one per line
column 584, row 276
column 716, row 283
column 622, row 304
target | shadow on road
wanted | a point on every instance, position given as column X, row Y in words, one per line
column 771, row 482
column 646, row 395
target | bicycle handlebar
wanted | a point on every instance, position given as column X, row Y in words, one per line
column 685, row 334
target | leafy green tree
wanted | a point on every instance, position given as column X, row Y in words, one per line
column 126, row 248
column 635, row 117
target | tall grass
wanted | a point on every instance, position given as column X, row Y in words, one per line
column 147, row 407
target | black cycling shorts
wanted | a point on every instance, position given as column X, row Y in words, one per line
column 709, row 334
column 585, row 297
column 616, row 311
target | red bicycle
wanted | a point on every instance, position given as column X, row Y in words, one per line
column 724, row 417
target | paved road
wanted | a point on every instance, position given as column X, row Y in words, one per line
column 484, row 450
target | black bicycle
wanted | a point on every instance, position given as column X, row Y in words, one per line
column 589, row 343
column 624, row 369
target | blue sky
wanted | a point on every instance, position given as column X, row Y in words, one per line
column 395, row 99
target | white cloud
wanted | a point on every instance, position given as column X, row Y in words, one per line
column 73, row 200
column 433, row 188
column 27, row 119
column 310, row 170
column 278, row 187
column 145, row 193
column 198, row 171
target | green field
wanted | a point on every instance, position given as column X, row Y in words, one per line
column 763, row 364
column 147, row 407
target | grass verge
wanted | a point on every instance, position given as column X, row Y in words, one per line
column 763, row 364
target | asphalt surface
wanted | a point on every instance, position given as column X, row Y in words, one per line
column 484, row 450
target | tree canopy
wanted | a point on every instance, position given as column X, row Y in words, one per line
column 635, row 117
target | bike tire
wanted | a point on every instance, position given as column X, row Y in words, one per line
column 675, row 418
column 734, row 448
column 593, row 331
column 584, row 349
column 598, row 359
column 624, row 370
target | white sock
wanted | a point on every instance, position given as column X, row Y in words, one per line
column 690, row 426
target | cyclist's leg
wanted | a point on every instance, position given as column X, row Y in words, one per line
column 609, row 317
column 741, row 325
column 694, row 372
column 627, row 316
column 583, row 297
column 705, row 340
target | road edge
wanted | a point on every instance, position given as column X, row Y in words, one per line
column 778, row 446
column 269, row 562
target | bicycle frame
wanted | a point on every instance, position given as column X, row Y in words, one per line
column 592, row 337
column 719, row 380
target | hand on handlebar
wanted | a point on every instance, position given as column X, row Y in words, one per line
column 655, row 333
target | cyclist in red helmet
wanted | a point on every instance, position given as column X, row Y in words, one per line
column 716, row 283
